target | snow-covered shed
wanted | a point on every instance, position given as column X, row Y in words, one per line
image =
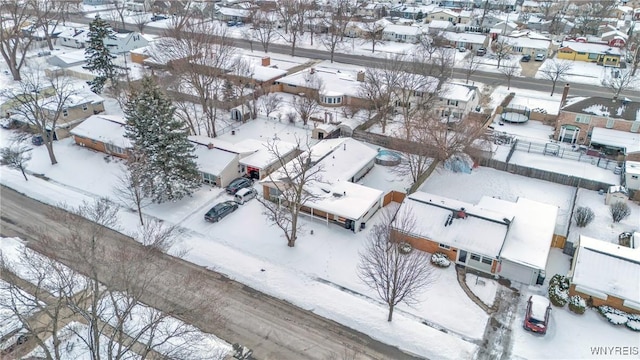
column 606, row 273
column 509, row 239
column 341, row 163
column 632, row 175
column 616, row 193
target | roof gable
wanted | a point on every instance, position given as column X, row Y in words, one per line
column 606, row 107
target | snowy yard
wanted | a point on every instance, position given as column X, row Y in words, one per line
column 529, row 98
column 483, row 288
column 580, row 72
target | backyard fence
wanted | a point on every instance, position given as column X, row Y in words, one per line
column 556, row 150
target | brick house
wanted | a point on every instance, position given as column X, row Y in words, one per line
column 497, row 237
column 607, row 274
column 103, row 133
column 612, row 125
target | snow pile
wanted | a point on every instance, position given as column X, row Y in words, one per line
column 485, row 289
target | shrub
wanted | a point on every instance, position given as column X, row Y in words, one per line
column 405, row 247
column 291, row 117
column 559, row 290
column 614, row 316
column 440, row 260
column 577, row 304
column 633, row 325
column 583, row 216
column 619, row 210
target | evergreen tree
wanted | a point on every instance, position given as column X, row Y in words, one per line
column 170, row 171
column 99, row 58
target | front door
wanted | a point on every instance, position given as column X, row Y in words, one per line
column 462, row 256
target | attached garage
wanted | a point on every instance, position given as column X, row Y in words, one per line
column 518, row 272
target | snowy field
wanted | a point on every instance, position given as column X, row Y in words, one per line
column 490, row 182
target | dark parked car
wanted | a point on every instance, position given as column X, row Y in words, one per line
column 537, row 317
column 238, row 184
column 220, row 210
column 481, row 52
column 158, row 17
column 526, row 58
column 37, row 140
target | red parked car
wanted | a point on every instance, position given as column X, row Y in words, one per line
column 537, row 317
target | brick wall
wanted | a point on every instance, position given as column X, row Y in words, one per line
column 567, row 118
column 611, row 301
column 423, row 244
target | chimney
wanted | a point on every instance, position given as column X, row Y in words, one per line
column 360, row 76
column 266, row 61
column 210, row 146
column 312, row 71
column 565, row 93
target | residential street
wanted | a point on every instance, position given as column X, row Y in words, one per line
column 272, row 328
column 488, row 78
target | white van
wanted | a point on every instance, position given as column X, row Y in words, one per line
column 245, row 194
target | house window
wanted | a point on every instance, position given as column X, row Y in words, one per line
column 84, row 107
column 209, row 179
column 486, row 260
column 635, row 126
column 592, row 56
column 452, row 102
column 65, row 112
column 418, row 94
column 332, row 99
column 610, row 123
column 114, row 149
column 475, row 257
column 581, row 53
column 443, row 246
column 583, row 119
column 274, row 193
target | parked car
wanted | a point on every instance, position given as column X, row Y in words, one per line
column 526, row 58
column 541, row 57
column 158, row 17
column 462, row 49
column 244, row 195
column 37, row 140
column 239, row 23
column 231, row 23
column 537, row 317
column 220, row 210
column 481, row 51
column 237, row 184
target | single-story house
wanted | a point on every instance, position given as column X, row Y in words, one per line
column 74, row 37
column 599, row 53
column 497, row 237
column 466, row 40
column 338, row 198
column 68, row 59
column 528, row 46
column 218, row 167
column 125, row 42
column 402, row 33
column 438, row 26
column 607, row 274
column 232, row 14
column 104, row 133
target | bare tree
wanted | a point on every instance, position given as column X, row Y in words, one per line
column 270, row 103
column 109, row 294
column 338, row 18
column 378, row 87
column 200, row 55
column 590, row 15
column 263, row 27
column 130, row 187
column 470, row 64
column 634, row 47
column 510, row 70
column 307, row 102
column 502, row 49
column 619, row 211
column 372, row 32
column 289, row 189
column 48, row 14
column 141, row 20
column 619, row 81
column 555, row 70
column 16, row 156
column 40, row 101
column 14, row 44
column 396, row 276
column 117, row 14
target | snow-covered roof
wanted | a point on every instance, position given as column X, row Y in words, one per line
column 351, row 201
column 238, row 148
column 80, row 95
column 241, row 13
column 482, row 232
column 627, row 140
column 212, row 161
column 464, row 37
column 607, row 267
column 262, row 158
column 526, row 42
column 531, row 231
column 590, row 48
column 79, row 34
column 615, row 34
column 632, row 167
column 334, row 81
column 68, row 58
column 445, row 11
column 108, row 129
column 440, row 24
column 605, row 107
column 341, row 158
column 402, row 30
column 458, row 91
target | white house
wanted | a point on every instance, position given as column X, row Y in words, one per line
column 74, row 37
column 438, row 26
column 125, row 42
column 402, row 33
column 457, row 100
column 498, row 237
column 466, row 40
column 217, row 167
column 338, row 198
column 526, row 45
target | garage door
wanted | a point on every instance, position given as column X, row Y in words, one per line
column 517, row 272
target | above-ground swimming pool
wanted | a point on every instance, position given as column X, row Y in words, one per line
column 388, row 158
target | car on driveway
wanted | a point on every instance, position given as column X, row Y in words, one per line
column 220, row 210
column 541, row 57
column 537, row 317
column 526, row 58
column 158, row 17
column 244, row 195
column 481, row 52
column 237, row 184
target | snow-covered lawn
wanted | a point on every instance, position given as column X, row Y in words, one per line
column 602, row 227
column 9, row 322
column 531, row 130
column 490, row 182
column 580, row 72
column 529, row 98
column 485, row 289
